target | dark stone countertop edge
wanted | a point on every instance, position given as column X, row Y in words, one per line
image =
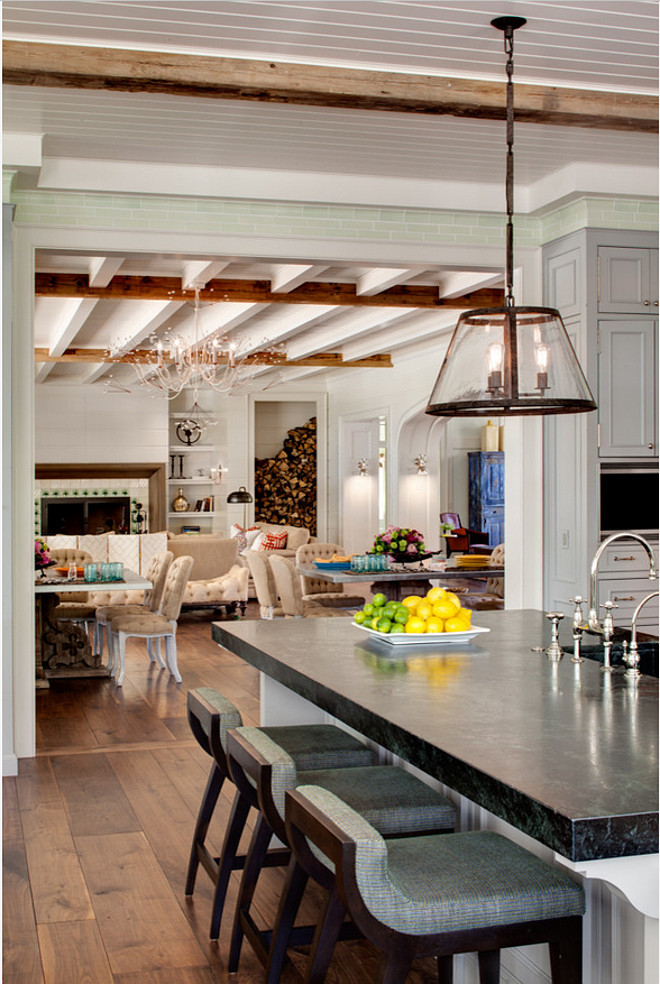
column 580, row 839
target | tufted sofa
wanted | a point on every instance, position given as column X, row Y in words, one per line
column 217, row 579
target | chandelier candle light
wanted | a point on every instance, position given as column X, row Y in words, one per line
column 510, row 361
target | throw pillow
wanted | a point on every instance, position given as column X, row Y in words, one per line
column 245, row 537
column 270, row 541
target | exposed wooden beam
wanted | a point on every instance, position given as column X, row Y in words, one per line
column 323, row 360
column 259, row 291
column 70, row 66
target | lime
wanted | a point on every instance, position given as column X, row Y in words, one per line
column 383, row 625
column 359, row 617
column 379, row 600
column 396, row 628
column 401, row 615
column 368, row 609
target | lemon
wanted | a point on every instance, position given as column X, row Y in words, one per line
column 411, row 602
column 415, row 625
column 465, row 613
column 449, row 595
column 435, row 594
column 434, row 624
column 424, row 610
column 445, row 608
column 456, row 624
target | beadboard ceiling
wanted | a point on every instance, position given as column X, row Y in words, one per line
column 606, row 45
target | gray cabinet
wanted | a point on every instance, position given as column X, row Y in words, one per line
column 628, row 280
column 627, row 387
column 600, row 279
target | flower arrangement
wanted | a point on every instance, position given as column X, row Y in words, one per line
column 42, row 556
column 400, row 542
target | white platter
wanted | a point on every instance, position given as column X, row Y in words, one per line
column 424, row 638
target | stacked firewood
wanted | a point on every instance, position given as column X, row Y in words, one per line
column 285, row 486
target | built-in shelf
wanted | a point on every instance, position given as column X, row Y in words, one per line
column 185, row 449
column 187, row 515
column 190, row 481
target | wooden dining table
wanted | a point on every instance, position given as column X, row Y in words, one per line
column 63, row 647
column 408, row 580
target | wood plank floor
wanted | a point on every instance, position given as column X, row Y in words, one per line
column 97, row 830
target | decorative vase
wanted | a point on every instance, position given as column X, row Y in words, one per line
column 180, row 504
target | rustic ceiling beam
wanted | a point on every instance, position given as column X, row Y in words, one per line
column 323, row 360
column 70, row 66
column 259, row 291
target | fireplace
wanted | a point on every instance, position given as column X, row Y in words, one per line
column 77, row 516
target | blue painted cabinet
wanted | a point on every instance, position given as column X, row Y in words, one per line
column 486, row 492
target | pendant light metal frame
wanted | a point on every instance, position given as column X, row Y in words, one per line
column 503, row 383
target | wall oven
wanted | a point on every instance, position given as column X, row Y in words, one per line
column 628, row 498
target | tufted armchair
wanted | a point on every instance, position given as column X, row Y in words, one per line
column 324, row 592
column 289, row 591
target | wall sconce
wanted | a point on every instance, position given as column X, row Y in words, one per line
column 362, row 466
column 420, row 464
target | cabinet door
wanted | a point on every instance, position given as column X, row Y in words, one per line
column 626, row 594
column 626, row 388
column 493, row 525
column 628, row 282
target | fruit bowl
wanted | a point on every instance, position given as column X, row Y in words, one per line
column 424, row 638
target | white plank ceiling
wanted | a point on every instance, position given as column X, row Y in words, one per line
column 592, row 44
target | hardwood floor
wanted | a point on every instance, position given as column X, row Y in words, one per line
column 97, row 830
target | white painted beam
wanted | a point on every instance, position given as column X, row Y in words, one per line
column 103, row 268
column 140, row 328
column 347, row 325
column 457, row 284
column 288, row 276
column 75, row 315
column 425, row 324
column 197, row 273
column 380, row 278
column 42, row 370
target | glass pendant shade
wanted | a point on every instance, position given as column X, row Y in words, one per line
column 510, row 361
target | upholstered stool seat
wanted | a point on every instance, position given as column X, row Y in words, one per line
column 439, row 895
column 395, row 801
column 74, row 609
column 317, row 746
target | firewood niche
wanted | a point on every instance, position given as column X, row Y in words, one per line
column 285, row 486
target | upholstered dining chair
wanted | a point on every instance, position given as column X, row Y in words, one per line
column 151, row 602
column 264, row 583
column 324, row 592
column 152, row 626
column 289, row 592
column 74, row 606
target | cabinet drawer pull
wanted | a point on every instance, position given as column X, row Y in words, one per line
column 646, row 303
column 628, row 598
column 622, row 558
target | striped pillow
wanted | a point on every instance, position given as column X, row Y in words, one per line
column 270, row 541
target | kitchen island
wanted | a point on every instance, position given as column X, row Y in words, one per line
column 564, row 753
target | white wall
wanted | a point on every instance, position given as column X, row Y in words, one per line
column 273, row 420
column 84, row 423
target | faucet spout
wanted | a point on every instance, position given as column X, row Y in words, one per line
column 592, row 618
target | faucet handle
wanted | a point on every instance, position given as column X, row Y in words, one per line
column 554, row 650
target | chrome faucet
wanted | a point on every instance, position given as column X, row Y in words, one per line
column 631, row 658
column 592, row 620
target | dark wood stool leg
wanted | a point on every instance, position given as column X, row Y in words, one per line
column 489, row 967
column 292, row 893
column 566, row 955
column 207, row 806
column 227, row 863
column 393, row 967
column 325, row 938
column 253, row 865
column 446, row 969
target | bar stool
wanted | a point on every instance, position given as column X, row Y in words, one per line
column 396, row 802
column 437, row 896
column 210, row 716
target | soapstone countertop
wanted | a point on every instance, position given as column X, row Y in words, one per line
column 564, row 752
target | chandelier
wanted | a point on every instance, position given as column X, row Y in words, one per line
column 510, row 361
column 214, row 361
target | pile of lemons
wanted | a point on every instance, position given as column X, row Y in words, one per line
column 439, row 611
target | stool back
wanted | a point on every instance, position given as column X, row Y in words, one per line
column 210, row 715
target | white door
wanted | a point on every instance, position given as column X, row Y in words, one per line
column 360, row 482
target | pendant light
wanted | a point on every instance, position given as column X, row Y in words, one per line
column 510, row 361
